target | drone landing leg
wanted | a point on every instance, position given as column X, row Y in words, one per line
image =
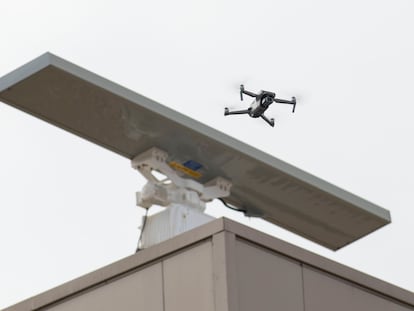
column 227, row 112
column 243, row 91
column 271, row 121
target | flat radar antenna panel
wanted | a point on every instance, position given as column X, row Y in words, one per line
column 129, row 124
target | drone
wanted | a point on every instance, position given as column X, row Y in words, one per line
column 261, row 102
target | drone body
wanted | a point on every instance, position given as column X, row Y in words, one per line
column 261, row 102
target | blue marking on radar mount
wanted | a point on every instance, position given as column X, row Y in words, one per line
column 193, row 165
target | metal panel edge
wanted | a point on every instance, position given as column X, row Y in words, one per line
column 25, row 71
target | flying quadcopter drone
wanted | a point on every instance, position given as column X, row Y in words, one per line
column 260, row 104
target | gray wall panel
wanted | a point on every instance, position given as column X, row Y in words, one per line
column 188, row 280
column 326, row 292
column 141, row 290
column 266, row 280
column 223, row 266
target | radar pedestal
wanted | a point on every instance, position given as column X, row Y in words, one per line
column 185, row 199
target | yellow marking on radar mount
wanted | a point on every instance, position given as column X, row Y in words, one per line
column 186, row 170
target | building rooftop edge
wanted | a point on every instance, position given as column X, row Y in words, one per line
column 197, row 235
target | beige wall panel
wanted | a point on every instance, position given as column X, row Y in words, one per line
column 188, row 280
column 141, row 290
column 266, row 280
column 325, row 292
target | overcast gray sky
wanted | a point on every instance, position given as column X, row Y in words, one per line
column 67, row 207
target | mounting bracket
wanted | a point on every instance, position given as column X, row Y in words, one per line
column 185, row 199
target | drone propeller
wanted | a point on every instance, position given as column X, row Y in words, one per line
column 241, row 91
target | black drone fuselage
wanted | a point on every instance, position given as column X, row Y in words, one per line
column 260, row 104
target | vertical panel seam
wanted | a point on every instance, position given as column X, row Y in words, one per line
column 303, row 286
column 224, row 271
column 231, row 271
column 220, row 273
column 216, row 267
column 163, row 285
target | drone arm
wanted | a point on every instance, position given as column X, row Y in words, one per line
column 251, row 94
column 227, row 112
column 289, row 102
column 271, row 122
column 243, row 91
column 283, row 101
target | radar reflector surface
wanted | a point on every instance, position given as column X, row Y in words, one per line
column 128, row 123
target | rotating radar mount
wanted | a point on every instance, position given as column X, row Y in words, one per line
column 185, row 199
column 261, row 102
